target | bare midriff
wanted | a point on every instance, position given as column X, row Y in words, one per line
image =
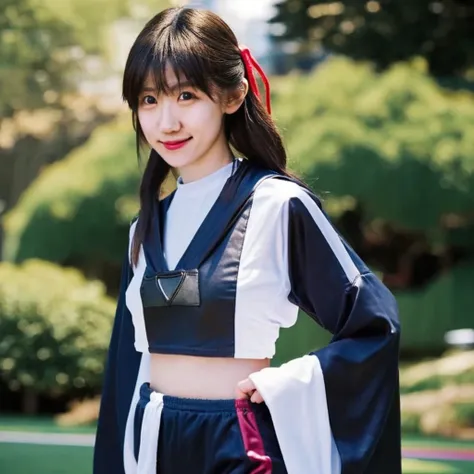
column 200, row 377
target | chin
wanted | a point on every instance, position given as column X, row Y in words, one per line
column 176, row 161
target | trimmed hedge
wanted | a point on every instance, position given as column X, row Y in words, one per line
column 55, row 328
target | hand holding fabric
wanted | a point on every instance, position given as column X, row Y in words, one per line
column 246, row 389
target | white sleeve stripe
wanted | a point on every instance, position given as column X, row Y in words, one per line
column 332, row 237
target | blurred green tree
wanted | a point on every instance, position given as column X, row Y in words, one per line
column 77, row 212
column 390, row 155
column 50, row 52
column 396, row 142
column 384, row 31
column 43, row 43
column 31, row 42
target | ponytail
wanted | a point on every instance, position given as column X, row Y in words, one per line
column 155, row 174
column 252, row 132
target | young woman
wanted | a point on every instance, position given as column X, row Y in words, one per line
column 215, row 269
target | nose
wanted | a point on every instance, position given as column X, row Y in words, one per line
column 168, row 121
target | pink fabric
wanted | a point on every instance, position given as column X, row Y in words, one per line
column 253, row 442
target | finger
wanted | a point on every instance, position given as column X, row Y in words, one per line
column 246, row 386
column 256, row 397
column 240, row 394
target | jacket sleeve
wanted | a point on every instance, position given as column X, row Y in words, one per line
column 337, row 407
column 120, row 377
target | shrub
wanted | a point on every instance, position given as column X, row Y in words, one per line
column 55, row 328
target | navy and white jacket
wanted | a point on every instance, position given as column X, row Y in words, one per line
column 231, row 259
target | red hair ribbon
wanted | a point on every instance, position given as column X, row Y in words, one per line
column 250, row 62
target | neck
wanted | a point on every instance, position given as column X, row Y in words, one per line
column 220, row 155
column 198, row 171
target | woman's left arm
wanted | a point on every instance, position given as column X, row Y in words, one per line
column 345, row 395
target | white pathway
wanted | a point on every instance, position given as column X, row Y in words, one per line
column 57, row 439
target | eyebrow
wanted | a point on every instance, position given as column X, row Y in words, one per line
column 172, row 89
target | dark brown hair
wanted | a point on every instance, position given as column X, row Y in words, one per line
column 201, row 47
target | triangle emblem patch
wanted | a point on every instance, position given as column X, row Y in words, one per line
column 170, row 286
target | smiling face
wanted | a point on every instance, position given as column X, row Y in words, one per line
column 185, row 126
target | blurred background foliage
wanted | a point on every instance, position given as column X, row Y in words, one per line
column 45, row 43
column 59, row 79
column 384, row 32
column 67, row 153
column 55, row 329
column 404, row 137
column 78, row 211
column 377, row 116
column 398, row 132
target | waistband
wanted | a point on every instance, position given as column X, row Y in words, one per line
column 201, row 404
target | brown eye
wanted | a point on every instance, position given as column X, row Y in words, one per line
column 186, row 96
column 149, row 100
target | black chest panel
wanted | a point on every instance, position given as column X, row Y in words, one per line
column 191, row 310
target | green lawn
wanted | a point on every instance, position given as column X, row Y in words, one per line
column 434, row 442
column 34, row 459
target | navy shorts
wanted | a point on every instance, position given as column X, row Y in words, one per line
column 212, row 436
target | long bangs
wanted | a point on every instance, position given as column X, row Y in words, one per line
column 152, row 55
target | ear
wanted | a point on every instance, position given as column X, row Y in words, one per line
column 236, row 98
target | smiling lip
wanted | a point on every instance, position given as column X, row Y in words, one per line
column 174, row 145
